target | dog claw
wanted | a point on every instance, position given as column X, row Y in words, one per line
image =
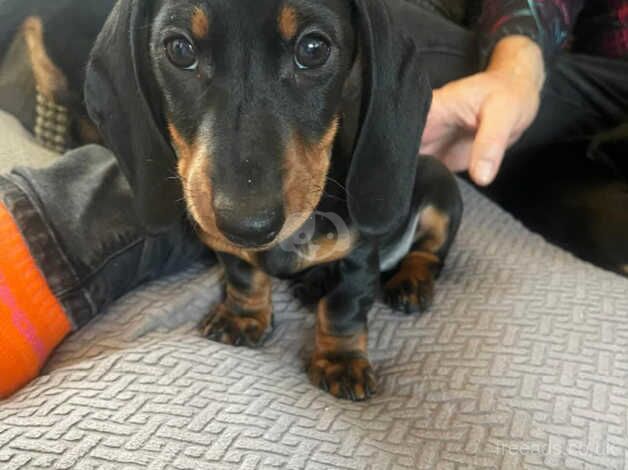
column 346, row 376
column 226, row 327
column 410, row 296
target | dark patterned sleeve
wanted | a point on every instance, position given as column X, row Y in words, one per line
column 548, row 22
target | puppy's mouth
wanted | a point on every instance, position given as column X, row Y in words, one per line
column 250, row 245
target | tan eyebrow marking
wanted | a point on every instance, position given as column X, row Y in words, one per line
column 288, row 22
column 200, row 23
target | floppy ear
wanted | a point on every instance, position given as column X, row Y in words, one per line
column 397, row 98
column 121, row 98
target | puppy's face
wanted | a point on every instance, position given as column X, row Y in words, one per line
column 252, row 91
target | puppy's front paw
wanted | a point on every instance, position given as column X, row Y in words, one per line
column 346, row 375
column 225, row 326
column 411, row 289
column 409, row 295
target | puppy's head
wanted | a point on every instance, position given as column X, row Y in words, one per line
column 251, row 94
column 232, row 107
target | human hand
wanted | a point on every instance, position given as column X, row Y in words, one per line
column 474, row 120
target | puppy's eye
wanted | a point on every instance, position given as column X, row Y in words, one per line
column 312, row 51
column 181, row 53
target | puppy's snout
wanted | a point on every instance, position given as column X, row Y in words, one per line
column 250, row 227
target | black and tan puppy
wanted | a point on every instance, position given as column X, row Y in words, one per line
column 288, row 131
column 275, row 115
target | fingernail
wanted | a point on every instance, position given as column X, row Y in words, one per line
column 484, row 172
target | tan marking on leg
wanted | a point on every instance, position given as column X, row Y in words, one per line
column 244, row 316
column 322, row 323
column 200, row 23
column 255, row 303
column 49, row 79
column 411, row 289
column 624, row 268
column 326, row 342
column 305, row 172
column 257, row 298
column 329, row 344
column 288, row 22
column 340, row 364
column 433, row 229
column 417, row 266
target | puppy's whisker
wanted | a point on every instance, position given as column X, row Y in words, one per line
column 204, row 93
column 333, row 196
column 175, row 176
column 337, row 183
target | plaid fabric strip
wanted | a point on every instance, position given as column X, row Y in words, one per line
column 595, row 26
column 548, row 22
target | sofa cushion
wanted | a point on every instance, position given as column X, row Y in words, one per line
column 522, row 361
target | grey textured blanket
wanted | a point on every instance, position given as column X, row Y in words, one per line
column 522, row 362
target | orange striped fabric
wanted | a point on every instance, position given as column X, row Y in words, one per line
column 32, row 321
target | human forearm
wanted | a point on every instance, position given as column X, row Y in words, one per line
column 548, row 23
column 474, row 120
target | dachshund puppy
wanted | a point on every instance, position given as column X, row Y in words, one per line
column 266, row 120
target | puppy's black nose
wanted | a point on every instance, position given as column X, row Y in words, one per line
column 250, row 229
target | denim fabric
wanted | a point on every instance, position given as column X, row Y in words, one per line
column 78, row 220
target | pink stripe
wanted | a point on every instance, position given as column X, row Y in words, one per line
column 498, row 24
column 20, row 320
column 622, row 13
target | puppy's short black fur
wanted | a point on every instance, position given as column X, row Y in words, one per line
column 290, row 131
